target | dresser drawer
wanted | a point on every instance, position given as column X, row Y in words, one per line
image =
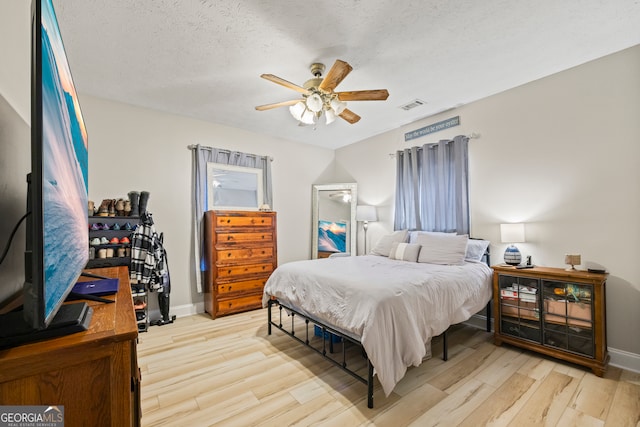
column 244, row 221
column 242, row 270
column 255, row 285
column 230, row 255
column 239, row 304
column 241, row 238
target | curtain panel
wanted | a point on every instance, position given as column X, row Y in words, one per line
column 201, row 156
column 432, row 187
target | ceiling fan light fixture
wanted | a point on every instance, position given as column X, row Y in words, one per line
column 330, row 116
column 308, row 117
column 338, row 106
column 319, row 97
column 297, row 110
column 314, row 102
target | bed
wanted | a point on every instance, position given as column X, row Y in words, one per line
column 391, row 307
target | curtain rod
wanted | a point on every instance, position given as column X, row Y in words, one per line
column 472, row 135
column 193, row 147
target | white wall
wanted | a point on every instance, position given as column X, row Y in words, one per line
column 133, row 148
column 560, row 154
column 15, row 137
column 15, row 48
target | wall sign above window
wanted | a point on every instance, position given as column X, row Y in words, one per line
column 436, row 127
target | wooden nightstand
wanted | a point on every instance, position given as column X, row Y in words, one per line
column 553, row 311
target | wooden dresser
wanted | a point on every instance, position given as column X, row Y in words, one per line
column 240, row 254
column 94, row 374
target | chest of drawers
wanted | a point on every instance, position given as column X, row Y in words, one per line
column 240, row 254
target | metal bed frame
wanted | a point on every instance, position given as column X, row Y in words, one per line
column 328, row 331
column 326, row 335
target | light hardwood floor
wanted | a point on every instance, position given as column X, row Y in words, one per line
column 229, row 372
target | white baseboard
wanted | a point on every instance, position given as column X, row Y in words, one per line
column 188, row 309
column 624, row 359
column 178, row 311
column 618, row 358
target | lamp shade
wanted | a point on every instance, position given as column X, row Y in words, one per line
column 314, row 102
column 366, row 213
column 512, row 233
column 297, row 110
column 330, row 116
column 338, row 106
column 308, row 118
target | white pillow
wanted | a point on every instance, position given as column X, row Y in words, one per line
column 476, row 249
column 443, row 249
column 383, row 247
column 413, row 235
column 404, row 251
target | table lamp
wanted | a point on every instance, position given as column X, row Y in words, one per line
column 512, row 233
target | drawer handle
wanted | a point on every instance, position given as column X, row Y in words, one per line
column 229, row 289
column 229, row 220
column 229, row 254
column 229, row 237
column 263, row 237
column 264, row 266
column 229, row 271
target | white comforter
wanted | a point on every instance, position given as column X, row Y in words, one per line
column 393, row 307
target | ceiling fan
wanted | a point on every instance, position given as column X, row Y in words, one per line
column 318, row 95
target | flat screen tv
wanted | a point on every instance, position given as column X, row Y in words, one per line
column 57, row 231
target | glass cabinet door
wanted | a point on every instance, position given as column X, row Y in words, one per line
column 519, row 307
column 568, row 316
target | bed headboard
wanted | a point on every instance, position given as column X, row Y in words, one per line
column 486, row 257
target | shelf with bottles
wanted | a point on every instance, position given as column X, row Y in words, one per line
column 568, row 303
column 568, row 316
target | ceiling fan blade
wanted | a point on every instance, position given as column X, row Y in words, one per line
column 277, row 104
column 350, row 116
column 284, row 83
column 364, row 95
column 336, row 74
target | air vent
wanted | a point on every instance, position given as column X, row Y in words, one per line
column 413, row 104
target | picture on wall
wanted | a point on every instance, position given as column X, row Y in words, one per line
column 332, row 236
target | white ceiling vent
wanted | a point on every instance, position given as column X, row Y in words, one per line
column 412, row 104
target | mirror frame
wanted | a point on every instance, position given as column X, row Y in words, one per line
column 237, row 173
column 353, row 187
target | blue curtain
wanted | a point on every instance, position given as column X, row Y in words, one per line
column 432, row 187
column 202, row 156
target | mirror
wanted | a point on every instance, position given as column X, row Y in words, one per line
column 333, row 219
column 233, row 187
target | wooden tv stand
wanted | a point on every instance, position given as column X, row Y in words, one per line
column 93, row 374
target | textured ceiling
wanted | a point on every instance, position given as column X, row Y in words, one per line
column 203, row 58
